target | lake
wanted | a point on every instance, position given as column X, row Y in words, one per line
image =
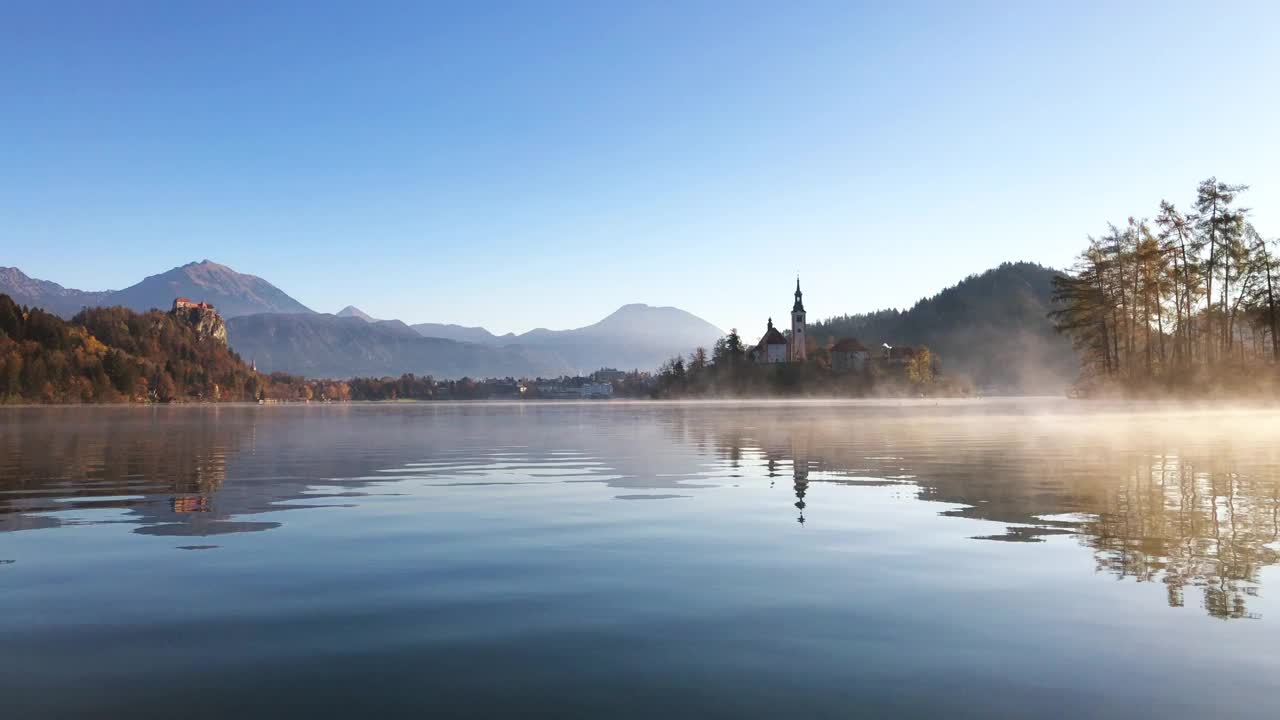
column 995, row 558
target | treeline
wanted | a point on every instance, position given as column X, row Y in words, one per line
column 406, row 387
column 114, row 355
column 1183, row 302
column 409, row 386
column 729, row 371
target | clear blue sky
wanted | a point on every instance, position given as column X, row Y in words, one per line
column 531, row 163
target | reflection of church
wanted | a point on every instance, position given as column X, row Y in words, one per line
column 800, row 474
column 799, row 454
column 800, row 470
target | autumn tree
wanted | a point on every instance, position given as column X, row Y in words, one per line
column 920, row 367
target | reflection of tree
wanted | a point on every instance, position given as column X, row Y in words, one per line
column 177, row 470
column 1174, row 522
column 1155, row 499
column 85, row 461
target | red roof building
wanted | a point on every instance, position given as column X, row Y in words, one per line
column 848, row 354
column 187, row 303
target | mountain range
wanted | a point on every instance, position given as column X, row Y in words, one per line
column 328, row 346
column 321, row 345
column 991, row 328
column 279, row 333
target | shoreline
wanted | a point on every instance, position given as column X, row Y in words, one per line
column 1076, row 406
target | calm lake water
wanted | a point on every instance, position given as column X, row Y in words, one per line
column 958, row 559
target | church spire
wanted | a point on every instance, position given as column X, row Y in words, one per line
column 797, row 347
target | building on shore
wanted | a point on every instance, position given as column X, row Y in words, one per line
column 898, row 355
column 775, row 347
column 847, row 355
column 799, row 338
column 596, row 390
column 608, row 375
column 772, row 348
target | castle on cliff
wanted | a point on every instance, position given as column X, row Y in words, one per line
column 201, row 317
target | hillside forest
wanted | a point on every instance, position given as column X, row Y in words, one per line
column 989, row 330
column 115, row 355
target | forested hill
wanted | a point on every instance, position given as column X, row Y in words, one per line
column 115, row 355
column 992, row 328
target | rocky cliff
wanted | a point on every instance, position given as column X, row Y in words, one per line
column 204, row 320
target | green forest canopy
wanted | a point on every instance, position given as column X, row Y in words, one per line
column 992, row 329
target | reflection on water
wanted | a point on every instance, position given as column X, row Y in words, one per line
column 1214, row 529
column 1158, row 497
column 810, row 492
column 1155, row 499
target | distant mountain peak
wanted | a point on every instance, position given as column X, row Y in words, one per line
column 231, row 292
column 355, row 312
column 655, row 319
column 47, row 295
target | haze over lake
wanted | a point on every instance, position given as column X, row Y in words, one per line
column 928, row 559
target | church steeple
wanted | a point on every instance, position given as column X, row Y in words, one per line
column 799, row 340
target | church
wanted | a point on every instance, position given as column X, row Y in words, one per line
column 775, row 347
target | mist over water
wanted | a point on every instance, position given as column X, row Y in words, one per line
column 906, row 558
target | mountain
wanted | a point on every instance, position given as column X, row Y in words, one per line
column 316, row 345
column 355, row 312
column 991, row 328
column 633, row 336
column 396, row 326
column 232, row 293
column 461, row 333
column 50, row 296
column 327, row 346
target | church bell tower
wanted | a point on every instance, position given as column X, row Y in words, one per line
column 799, row 352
